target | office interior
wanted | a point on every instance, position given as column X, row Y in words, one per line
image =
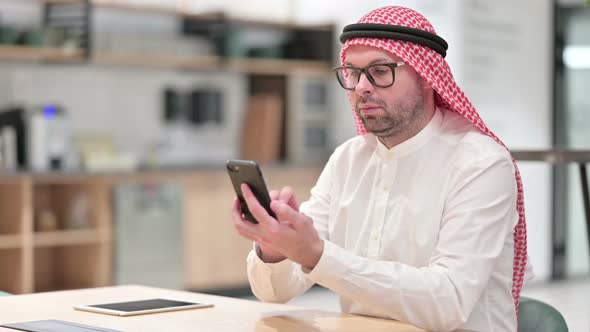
column 117, row 117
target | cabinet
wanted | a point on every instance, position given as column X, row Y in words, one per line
column 15, row 235
column 76, row 244
column 47, row 241
column 148, row 230
column 215, row 255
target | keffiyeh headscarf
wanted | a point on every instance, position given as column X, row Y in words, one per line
column 408, row 35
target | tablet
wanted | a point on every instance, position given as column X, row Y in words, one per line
column 141, row 307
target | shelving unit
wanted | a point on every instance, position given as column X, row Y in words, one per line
column 68, row 267
column 12, row 202
column 49, row 54
column 255, row 66
column 15, row 232
column 12, row 278
column 67, row 255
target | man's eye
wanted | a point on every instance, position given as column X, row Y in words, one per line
column 355, row 73
column 379, row 71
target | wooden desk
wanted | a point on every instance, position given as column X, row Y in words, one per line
column 229, row 314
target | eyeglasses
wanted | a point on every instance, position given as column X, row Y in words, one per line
column 381, row 75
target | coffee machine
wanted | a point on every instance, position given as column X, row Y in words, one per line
column 39, row 138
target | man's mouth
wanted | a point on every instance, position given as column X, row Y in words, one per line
column 369, row 109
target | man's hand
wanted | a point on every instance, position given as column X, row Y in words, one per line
column 266, row 254
column 285, row 195
column 291, row 235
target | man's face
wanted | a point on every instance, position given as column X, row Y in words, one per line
column 386, row 112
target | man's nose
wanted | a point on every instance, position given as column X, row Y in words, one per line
column 364, row 86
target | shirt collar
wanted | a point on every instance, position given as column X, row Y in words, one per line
column 414, row 143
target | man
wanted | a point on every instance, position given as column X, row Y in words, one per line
column 420, row 218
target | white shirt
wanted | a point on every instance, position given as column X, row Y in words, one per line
column 421, row 232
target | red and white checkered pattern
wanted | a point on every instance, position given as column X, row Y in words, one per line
column 435, row 70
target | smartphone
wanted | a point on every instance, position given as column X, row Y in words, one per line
column 247, row 171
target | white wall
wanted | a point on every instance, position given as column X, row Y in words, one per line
column 507, row 74
column 125, row 103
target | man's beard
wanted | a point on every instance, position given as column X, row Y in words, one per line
column 400, row 117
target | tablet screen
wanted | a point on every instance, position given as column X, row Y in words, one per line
column 143, row 305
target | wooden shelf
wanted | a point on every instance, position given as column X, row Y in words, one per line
column 44, row 1
column 186, row 62
column 10, row 241
column 27, row 53
column 215, row 63
column 138, row 60
column 58, row 2
column 277, row 66
column 63, row 178
column 133, row 7
column 66, row 238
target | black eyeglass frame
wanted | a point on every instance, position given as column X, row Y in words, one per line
column 365, row 71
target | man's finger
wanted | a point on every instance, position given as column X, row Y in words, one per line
column 287, row 215
column 274, row 194
column 257, row 210
column 244, row 227
column 286, row 194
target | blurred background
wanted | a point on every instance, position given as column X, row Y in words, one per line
column 116, row 117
